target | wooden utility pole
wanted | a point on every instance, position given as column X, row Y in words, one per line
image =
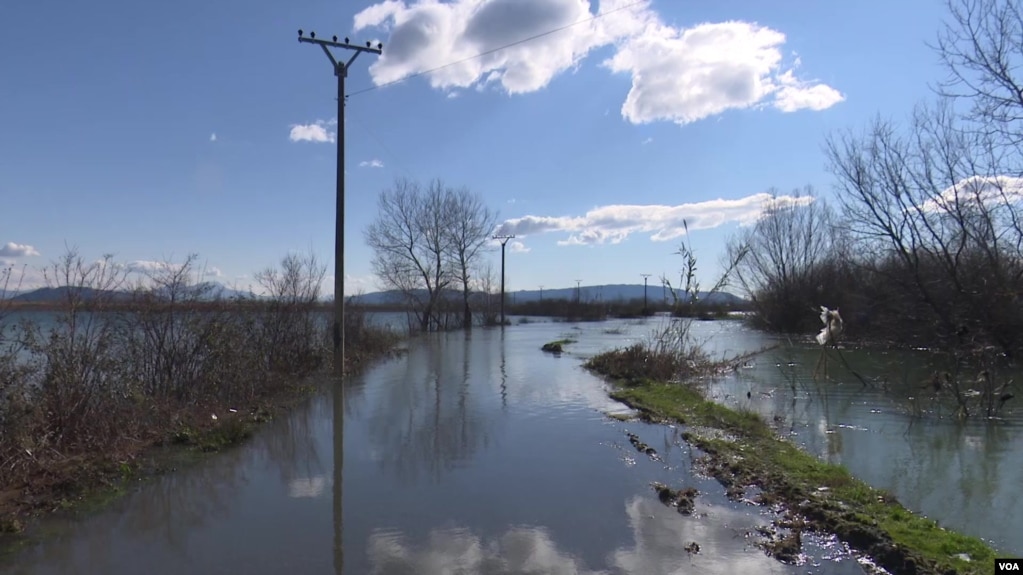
column 341, row 71
column 338, row 331
column 503, row 240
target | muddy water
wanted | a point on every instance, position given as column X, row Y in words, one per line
column 474, row 454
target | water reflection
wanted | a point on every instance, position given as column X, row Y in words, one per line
column 483, row 451
column 338, row 396
column 189, row 520
column 659, row 537
column 431, row 423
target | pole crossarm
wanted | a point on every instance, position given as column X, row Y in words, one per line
column 327, row 44
column 312, row 39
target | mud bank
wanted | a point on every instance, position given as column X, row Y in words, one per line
column 741, row 451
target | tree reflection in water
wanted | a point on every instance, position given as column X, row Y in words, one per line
column 432, row 423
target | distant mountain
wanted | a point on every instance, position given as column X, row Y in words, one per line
column 206, row 291
column 59, row 294
column 586, row 293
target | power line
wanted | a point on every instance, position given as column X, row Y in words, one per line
column 383, row 147
column 494, row 50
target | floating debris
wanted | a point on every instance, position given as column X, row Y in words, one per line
column 642, row 447
column 682, row 500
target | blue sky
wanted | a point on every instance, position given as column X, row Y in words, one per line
column 154, row 130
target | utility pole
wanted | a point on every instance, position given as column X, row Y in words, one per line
column 541, row 293
column 503, row 240
column 341, row 71
column 645, row 276
column 578, row 291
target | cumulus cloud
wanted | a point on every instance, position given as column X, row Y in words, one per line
column 648, row 141
column 374, row 163
column 149, row 266
column 213, row 272
column 678, row 74
column 614, row 223
column 213, row 137
column 319, row 131
column 13, row 250
column 518, row 247
column 987, row 191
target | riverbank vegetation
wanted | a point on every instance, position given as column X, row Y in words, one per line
column 86, row 391
column 664, row 379
column 817, row 496
column 925, row 246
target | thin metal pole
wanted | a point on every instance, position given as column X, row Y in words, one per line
column 503, row 240
column 645, row 276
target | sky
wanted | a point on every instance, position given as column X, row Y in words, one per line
column 151, row 131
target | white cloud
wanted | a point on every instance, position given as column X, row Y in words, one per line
column 648, row 141
column 213, row 137
column 685, row 75
column 14, row 277
column 374, row 163
column 613, row 224
column 989, row 191
column 213, row 272
column 318, row 131
column 518, row 247
column 13, row 250
column 794, row 95
column 149, row 266
column 678, row 74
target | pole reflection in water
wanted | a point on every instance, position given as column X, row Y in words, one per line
column 339, row 450
column 504, row 376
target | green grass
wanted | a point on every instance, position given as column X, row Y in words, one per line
column 848, row 507
column 556, row 346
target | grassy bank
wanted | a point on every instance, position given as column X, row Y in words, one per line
column 816, row 495
column 90, row 392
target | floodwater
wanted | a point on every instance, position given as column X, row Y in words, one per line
column 477, row 453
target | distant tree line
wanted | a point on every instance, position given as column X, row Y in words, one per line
column 925, row 245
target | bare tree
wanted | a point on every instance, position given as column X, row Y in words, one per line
column 290, row 316
column 938, row 227
column 470, row 227
column 410, row 245
column 782, row 260
column 483, row 284
column 981, row 46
